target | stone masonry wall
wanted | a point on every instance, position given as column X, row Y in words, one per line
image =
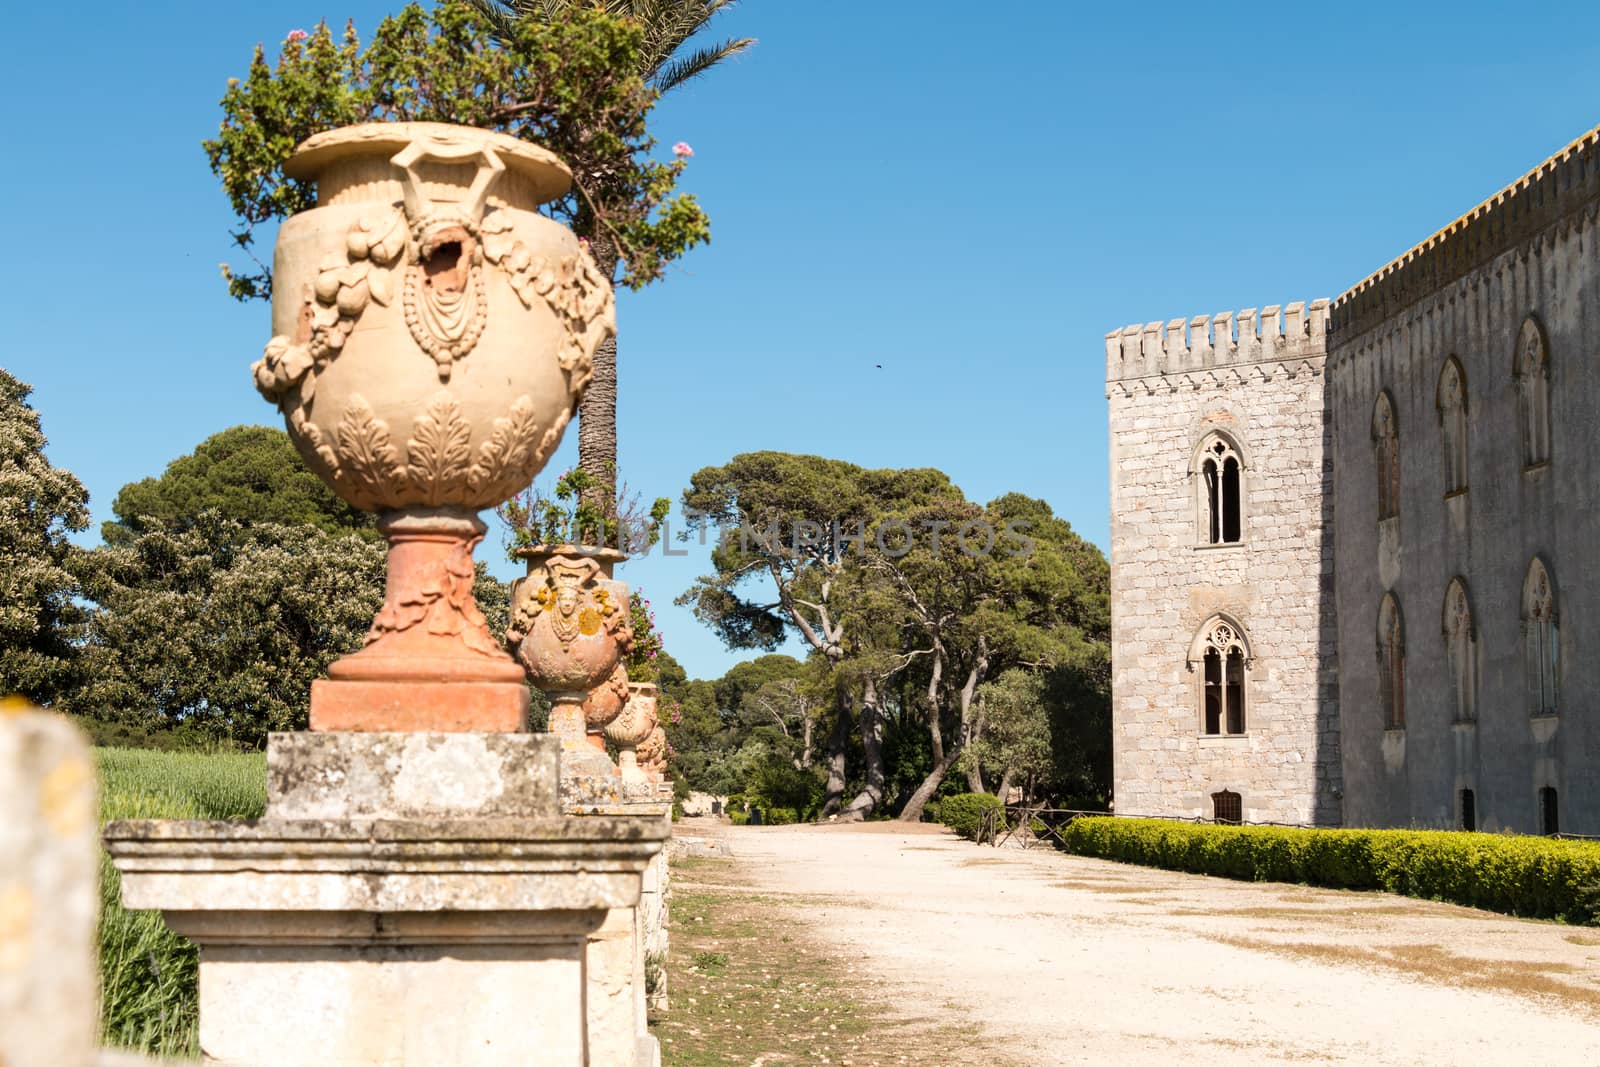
column 1168, row 387
column 1534, row 249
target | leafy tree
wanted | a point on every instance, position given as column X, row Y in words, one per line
column 569, row 82
column 1038, row 597
column 40, row 505
column 221, row 628
column 665, row 63
column 698, row 736
column 783, row 565
column 911, row 598
column 1017, row 734
column 251, row 474
column 743, row 679
column 670, row 675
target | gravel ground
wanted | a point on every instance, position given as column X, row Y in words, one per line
column 1065, row 960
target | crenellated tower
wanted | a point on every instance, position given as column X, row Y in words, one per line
column 1224, row 694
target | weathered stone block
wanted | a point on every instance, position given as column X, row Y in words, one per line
column 334, row 776
column 49, row 890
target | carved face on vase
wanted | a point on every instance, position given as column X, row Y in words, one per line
column 569, row 624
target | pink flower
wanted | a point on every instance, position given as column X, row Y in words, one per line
column 682, row 150
column 298, row 35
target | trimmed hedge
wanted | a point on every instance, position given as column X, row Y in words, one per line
column 1536, row 877
column 963, row 812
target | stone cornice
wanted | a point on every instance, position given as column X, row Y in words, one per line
column 1559, row 192
column 1216, row 377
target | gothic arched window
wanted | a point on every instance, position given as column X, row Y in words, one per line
column 1542, row 635
column 1221, row 486
column 1461, row 652
column 1223, row 655
column 1532, row 373
column 1391, row 664
column 1386, row 444
column 1452, row 402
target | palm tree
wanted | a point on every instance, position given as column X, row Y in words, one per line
column 665, row 64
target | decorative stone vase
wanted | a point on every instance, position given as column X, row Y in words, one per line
column 603, row 704
column 631, row 728
column 652, row 754
column 432, row 335
column 570, row 630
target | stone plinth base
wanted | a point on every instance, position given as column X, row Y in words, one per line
column 380, row 922
column 438, row 707
column 410, row 776
column 605, row 794
column 618, row 979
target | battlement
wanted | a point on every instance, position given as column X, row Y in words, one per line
column 1564, row 188
column 1221, row 340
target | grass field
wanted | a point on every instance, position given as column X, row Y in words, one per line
column 148, row 997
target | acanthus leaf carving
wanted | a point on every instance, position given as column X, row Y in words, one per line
column 512, row 448
column 375, row 473
column 439, row 451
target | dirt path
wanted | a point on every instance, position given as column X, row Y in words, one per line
column 1066, row 960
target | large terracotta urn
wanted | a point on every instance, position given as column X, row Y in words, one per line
column 570, row 630
column 632, row 728
column 432, row 335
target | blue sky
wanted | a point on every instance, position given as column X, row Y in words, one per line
column 970, row 197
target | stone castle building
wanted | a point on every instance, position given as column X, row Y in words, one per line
column 1355, row 548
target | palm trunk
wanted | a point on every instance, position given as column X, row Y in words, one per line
column 597, row 412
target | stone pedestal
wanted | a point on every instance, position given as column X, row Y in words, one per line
column 430, row 663
column 409, row 899
column 617, row 983
column 655, row 910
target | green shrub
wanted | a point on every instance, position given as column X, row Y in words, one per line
column 737, row 816
column 963, row 812
column 779, row 784
column 781, row 816
column 1536, row 877
column 930, row 811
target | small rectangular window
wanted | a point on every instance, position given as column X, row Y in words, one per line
column 1226, row 808
column 1469, row 810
